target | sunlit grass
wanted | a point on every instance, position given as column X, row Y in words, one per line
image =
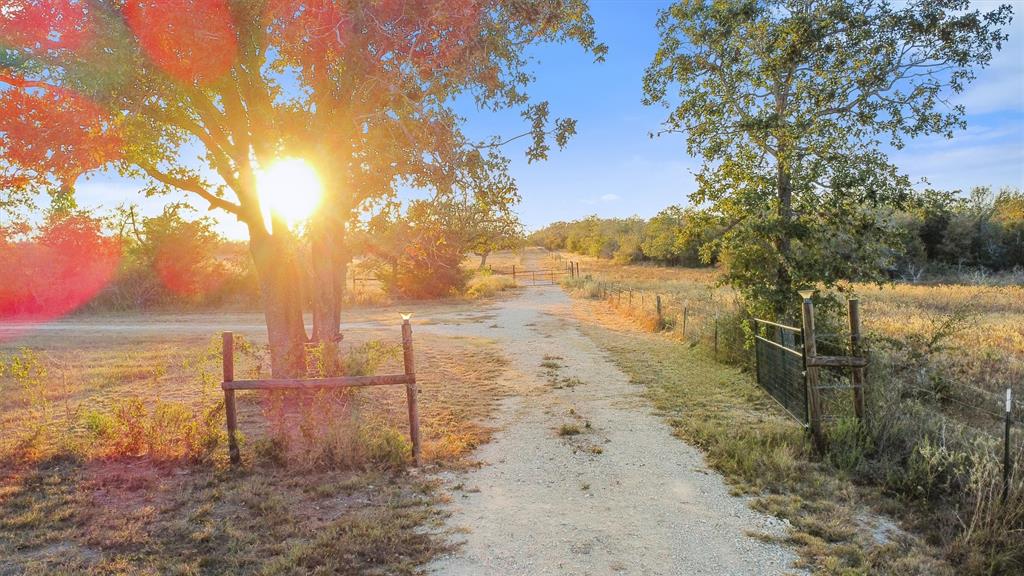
column 121, row 468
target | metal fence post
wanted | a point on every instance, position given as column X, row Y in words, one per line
column 716, row 334
column 1006, row 445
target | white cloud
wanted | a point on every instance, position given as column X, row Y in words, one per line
column 982, row 155
column 610, row 197
column 1000, row 86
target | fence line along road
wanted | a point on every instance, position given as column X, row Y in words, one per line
column 539, row 276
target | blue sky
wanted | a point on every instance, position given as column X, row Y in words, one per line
column 613, row 168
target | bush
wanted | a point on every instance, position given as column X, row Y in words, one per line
column 430, row 267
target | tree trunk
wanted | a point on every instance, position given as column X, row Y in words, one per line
column 328, row 286
column 279, row 275
column 483, row 260
column 783, row 280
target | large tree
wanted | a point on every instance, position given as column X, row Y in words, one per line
column 361, row 89
column 789, row 102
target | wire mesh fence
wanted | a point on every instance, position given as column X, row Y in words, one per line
column 780, row 366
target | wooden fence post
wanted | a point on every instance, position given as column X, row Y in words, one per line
column 855, row 350
column 811, row 378
column 657, row 306
column 410, row 390
column 228, row 355
column 686, row 312
column 513, row 272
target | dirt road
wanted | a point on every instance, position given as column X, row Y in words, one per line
column 620, row 497
column 580, row 478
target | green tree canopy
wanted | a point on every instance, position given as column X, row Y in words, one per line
column 789, row 102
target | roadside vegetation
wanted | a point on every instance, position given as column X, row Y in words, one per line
column 928, row 454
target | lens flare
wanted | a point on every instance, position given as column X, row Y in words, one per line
column 290, row 191
column 52, row 275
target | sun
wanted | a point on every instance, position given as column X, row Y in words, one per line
column 290, row 190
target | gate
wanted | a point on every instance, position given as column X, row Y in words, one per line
column 540, row 277
column 780, row 366
column 788, row 366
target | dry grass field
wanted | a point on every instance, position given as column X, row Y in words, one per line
column 973, row 334
column 114, row 459
column 941, row 358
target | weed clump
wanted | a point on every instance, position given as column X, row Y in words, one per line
column 569, row 430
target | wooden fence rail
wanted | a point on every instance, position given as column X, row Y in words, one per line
column 229, row 385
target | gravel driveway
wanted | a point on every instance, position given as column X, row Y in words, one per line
column 623, row 496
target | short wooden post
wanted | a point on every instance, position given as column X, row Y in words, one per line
column 855, row 350
column 657, row 306
column 686, row 313
column 410, row 390
column 228, row 355
column 577, row 269
column 534, row 276
column 811, row 374
column 513, row 272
